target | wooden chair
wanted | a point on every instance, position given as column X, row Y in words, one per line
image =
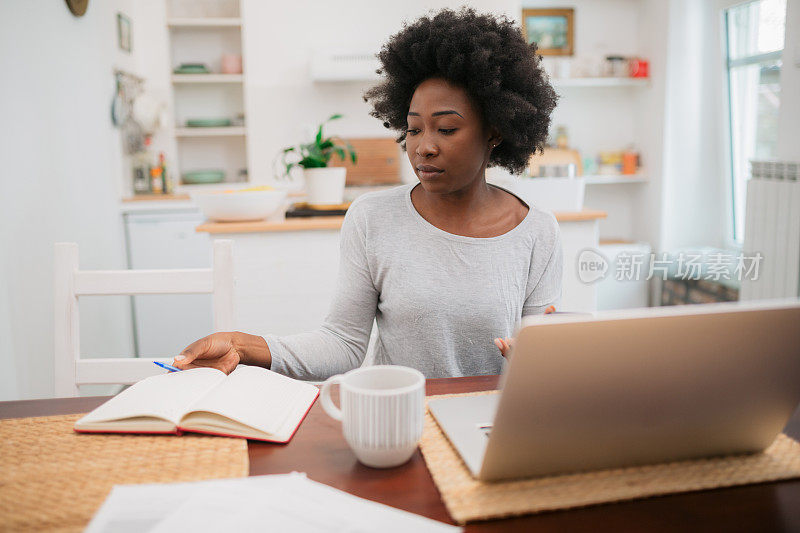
column 71, row 283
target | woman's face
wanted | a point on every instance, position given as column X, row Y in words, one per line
column 446, row 142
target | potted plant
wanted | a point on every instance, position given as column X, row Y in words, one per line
column 324, row 184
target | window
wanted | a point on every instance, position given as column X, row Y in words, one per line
column 754, row 34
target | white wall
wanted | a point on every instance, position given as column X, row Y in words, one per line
column 283, row 103
column 694, row 188
column 789, row 118
column 60, row 181
column 601, row 119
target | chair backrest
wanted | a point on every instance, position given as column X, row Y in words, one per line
column 71, row 283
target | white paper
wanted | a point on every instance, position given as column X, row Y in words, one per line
column 286, row 502
column 138, row 508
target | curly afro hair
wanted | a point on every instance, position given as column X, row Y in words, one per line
column 489, row 58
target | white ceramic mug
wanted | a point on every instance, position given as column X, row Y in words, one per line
column 382, row 412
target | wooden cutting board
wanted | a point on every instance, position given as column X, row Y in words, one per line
column 378, row 162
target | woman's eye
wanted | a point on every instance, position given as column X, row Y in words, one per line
column 448, row 132
column 412, row 131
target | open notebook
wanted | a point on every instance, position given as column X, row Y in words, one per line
column 251, row 402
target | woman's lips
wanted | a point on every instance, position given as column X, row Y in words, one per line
column 428, row 174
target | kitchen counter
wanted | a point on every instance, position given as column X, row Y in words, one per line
column 152, row 203
column 290, row 224
column 328, row 223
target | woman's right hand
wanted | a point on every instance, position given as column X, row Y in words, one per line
column 224, row 351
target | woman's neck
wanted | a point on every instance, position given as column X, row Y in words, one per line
column 457, row 204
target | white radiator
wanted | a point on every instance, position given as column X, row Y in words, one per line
column 772, row 228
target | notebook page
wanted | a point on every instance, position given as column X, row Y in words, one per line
column 256, row 397
column 164, row 396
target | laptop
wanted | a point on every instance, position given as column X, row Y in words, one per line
column 626, row 388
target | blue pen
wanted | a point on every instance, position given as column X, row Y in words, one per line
column 166, row 366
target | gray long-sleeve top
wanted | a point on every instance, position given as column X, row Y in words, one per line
column 439, row 299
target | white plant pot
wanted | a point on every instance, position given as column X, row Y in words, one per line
column 325, row 185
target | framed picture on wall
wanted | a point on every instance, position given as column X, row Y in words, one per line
column 551, row 29
column 123, row 32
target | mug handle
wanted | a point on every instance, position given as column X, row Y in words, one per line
column 327, row 404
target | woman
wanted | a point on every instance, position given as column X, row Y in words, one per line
column 449, row 265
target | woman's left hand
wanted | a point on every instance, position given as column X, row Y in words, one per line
column 504, row 345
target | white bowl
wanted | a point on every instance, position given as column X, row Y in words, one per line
column 240, row 206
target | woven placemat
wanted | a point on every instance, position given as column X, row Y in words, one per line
column 53, row 479
column 468, row 500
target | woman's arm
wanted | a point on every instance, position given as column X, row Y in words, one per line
column 340, row 344
column 546, row 272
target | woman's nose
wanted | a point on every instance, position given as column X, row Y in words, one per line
column 426, row 146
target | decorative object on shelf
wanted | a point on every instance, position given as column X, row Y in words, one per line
column 589, row 165
column 149, row 178
column 616, row 67
column 551, row 29
column 638, row 68
column 192, row 68
column 77, row 7
column 231, row 64
column 208, row 122
column 630, row 161
column 141, row 163
column 324, row 185
column 555, row 157
column 610, row 163
column 203, row 176
column 124, row 33
column 562, row 138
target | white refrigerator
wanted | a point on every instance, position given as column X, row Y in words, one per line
column 165, row 324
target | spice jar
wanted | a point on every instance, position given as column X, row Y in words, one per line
column 616, row 67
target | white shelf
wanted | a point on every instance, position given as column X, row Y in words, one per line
column 207, row 22
column 614, row 179
column 230, row 131
column 207, row 78
column 600, row 82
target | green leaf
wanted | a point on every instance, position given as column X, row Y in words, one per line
column 351, row 150
column 334, row 117
column 312, row 162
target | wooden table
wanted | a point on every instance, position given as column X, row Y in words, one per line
column 319, row 449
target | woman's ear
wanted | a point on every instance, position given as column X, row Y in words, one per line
column 494, row 137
